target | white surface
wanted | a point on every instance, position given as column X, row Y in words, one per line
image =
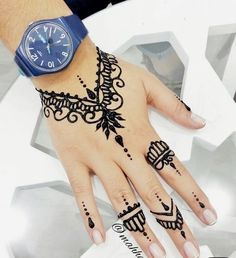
column 189, row 20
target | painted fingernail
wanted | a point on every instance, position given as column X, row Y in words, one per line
column 197, row 119
column 156, row 251
column 190, row 250
column 97, row 237
column 209, row 216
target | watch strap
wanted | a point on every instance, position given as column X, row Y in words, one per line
column 79, row 30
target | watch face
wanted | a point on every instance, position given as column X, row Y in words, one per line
column 48, row 47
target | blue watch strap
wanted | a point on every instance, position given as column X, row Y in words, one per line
column 79, row 30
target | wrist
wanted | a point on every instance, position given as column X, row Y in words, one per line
column 80, row 61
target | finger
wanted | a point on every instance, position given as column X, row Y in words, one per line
column 129, row 210
column 162, row 206
column 165, row 162
column 163, row 99
column 80, row 181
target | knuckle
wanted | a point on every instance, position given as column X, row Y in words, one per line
column 151, row 189
column 119, row 194
column 179, row 108
column 78, row 187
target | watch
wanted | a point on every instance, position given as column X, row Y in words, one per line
column 48, row 46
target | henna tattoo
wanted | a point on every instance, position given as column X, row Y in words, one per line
column 90, row 221
column 119, row 140
column 159, row 155
column 134, row 218
column 81, row 81
column 99, row 106
column 186, row 106
column 170, row 218
column 136, row 221
column 201, row 204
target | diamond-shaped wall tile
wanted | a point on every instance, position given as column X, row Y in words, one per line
column 53, row 226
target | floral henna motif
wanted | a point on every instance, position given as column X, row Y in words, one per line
column 101, row 104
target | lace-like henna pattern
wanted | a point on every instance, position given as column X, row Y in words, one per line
column 170, row 218
column 99, row 106
column 159, row 155
column 134, row 218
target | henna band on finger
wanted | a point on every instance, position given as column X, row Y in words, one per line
column 170, row 217
column 160, row 155
column 134, row 218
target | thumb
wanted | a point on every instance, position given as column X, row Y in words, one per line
column 164, row 100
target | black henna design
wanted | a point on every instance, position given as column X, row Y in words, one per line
column 201, row 204
column 81, row 81
column 186, row 106
column 170, row 218
column 134, row 218
column 159, row 154
column 99, row 106
column 119, row 140
column 90, row 221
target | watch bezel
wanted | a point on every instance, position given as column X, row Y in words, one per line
column 26, row 52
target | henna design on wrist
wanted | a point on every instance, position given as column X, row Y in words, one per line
column 159, row 155
column 90, row 221
column 201, row 204
column 99, row 106
column 134, row 218
column 186, row 106
column 170, row 218
column 82, row 82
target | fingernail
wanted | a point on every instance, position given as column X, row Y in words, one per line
column 156, row 251
column 97, row 237
column 197, row 119
column 209, row 216
column 190, row 250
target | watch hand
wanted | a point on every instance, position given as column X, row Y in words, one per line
column 48, row 48
column 42, row 38
column 59, row 41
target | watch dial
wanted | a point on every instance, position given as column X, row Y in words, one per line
column 48, row 47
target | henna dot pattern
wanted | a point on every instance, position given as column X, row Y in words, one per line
column 90, row 221
column 170, row 217
column 81, row 81
column 186, row 106
column 119, row 140
column 201, row 204
column 159, row 154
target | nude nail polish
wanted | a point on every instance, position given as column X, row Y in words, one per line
column 190, row 250
column 197, row 119
column 97, row 237
column 156, row 251
column 209, row 216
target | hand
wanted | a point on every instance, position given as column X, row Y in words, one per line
column 98, row 120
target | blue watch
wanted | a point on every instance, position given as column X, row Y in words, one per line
column 48, row 46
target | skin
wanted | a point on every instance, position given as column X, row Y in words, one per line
column 84, row 152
